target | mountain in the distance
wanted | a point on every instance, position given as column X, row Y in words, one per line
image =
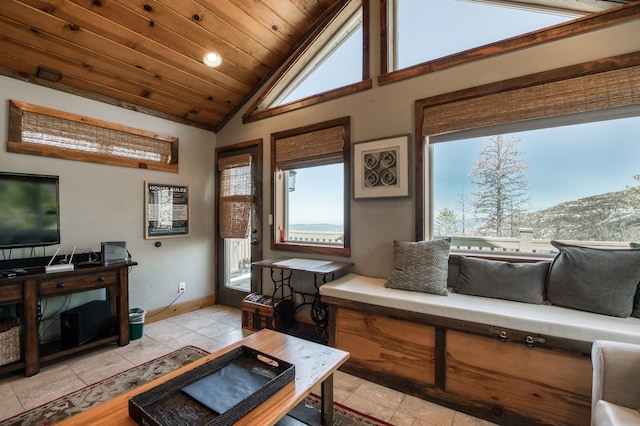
column 316, row 227
column 612, row 216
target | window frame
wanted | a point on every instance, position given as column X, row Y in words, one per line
column 278, row 198
column 100, row 130
column 571, row 28
column 592, row 68
column 296, row 62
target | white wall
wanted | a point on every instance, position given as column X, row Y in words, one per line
column 389, row 110
column 105, row 203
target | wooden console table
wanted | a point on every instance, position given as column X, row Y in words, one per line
column 25, row 291
column 314, row 364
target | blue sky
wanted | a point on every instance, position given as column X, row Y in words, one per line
column 314, row 200
column 456, row 25
column 565, row 163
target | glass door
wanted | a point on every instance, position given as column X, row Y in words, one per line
column 239, row 195
column 237, row 264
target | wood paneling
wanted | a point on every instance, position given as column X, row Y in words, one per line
column 464, row 365
column 386, row 345
column 146, row 54
column 548, row 384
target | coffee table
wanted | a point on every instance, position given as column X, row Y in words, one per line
column 314, row 364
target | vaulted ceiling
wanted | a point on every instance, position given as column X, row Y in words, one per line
column 146, row 55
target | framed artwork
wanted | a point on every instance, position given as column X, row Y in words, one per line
column 381, row 168
column 166, row 210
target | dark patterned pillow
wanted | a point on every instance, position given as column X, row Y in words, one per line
column 521, row 282
column 594, row 280
column 421, row 266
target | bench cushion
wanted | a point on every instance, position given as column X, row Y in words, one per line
column 608, row 414
column 543, row 319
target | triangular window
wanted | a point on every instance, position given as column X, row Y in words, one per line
column 421, row 37
column 343, row 52
column 310, row 76
column 426, row 30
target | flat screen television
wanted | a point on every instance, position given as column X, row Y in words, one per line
column 29, row 210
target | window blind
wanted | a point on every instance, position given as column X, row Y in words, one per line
column 312, row 148
column 43, row 131
column 235, row 196
column 608, row 89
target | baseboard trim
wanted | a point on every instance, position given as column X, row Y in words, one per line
column 179, row 308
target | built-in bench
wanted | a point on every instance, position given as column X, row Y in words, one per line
column 508, row 362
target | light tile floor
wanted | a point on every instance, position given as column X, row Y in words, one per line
column 210, row 329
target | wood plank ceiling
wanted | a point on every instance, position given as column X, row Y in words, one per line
column 146, row 55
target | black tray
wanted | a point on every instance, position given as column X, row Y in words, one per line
column 168, row 405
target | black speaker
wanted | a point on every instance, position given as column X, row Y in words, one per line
column 85, row 322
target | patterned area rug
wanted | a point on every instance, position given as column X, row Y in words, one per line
column 67, row 406
column 83, row 399
column 345, row 416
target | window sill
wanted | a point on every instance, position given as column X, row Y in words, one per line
column 315, row 249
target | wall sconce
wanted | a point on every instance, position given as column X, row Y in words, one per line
column 291, row 182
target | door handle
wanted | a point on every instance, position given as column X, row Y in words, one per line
column 254, row 241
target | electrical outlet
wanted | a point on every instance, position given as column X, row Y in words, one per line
column 181, row 287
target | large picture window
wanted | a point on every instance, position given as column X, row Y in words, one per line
column 517, row 191
column 311, row 187
column 510, row 167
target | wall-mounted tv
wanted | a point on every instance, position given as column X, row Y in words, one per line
column 29, row 210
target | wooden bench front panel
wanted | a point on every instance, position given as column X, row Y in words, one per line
column 552, row 385
column 387, row 345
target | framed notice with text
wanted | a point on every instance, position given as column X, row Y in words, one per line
column 166, row 210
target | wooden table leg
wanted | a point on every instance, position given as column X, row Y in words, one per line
column 326, row 401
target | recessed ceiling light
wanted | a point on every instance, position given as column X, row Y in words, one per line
column 212, row 59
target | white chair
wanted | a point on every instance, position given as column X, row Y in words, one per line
column 616, row 383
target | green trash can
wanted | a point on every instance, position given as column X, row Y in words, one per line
column 136, row 323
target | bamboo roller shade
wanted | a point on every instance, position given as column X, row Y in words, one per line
column 315, row 148
column 91, row 139
column 235, row 196
column 53, row 131
column 575, row 95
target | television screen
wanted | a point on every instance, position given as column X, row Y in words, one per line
column 29, row 210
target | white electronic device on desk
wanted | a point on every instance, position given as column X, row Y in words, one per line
column 62, row 267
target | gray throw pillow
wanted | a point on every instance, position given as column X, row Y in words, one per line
column 594, row 280
column 421, row 266
column 520, row 282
